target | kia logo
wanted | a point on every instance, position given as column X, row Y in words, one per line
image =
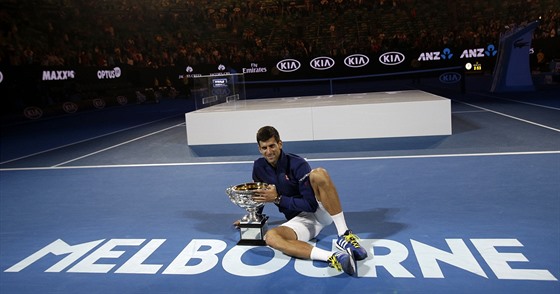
column 122, row 100
column 356, row 60
column 33, row 112
column 220, row 91
column 99, row 103
column 70, row 107
column 322, row 63
column 450, row 77
column 391, row 58
column 288, row 65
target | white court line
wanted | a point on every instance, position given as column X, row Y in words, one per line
column 85, row 140
column 517, row 101
column 310, row 160
column 511, row 116
column 115, row 146
column 468, row 111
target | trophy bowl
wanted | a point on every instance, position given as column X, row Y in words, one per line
column 242, row 196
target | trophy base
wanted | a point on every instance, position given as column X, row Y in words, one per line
column 251, row 243
column 252, row 233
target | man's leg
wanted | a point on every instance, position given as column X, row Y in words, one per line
column 325, row 192
column 285, row 239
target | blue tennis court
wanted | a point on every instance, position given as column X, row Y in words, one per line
column 120, row 204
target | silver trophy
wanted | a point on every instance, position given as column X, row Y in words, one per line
column 252, row 226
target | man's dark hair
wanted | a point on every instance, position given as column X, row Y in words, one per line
column 267, row 132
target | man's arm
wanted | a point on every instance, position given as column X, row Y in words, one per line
column 306, row 200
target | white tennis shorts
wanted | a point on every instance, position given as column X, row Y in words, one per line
column 308, row 225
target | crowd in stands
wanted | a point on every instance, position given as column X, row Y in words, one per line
column 159, row 33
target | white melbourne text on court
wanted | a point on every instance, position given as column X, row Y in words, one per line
column 202, row 255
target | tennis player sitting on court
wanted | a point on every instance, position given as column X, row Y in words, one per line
column 308, row 199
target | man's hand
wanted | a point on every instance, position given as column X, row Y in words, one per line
column 265, row 195
column 236, row 224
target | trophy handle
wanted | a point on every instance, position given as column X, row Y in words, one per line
column 229, row 190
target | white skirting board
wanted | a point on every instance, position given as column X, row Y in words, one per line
column 311, row 118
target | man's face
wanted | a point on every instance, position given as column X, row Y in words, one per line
column 270, row 149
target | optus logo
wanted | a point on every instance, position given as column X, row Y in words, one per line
column 115, row 73
column 391, row 58
column 288, row 65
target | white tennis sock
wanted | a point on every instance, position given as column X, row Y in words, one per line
column 340, row 223
column 320, row 254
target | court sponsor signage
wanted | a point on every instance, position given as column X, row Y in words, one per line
column 321, row 63
column 501, row 259
column 70, row 107
column 391, row 58
column 221, row 91
column 33, row 112
column 254, row 68
column 99, row 103
column 477, row 66
column 445, row 54
column 219, row 82
column 58, row 75
column 122, row 100
column 450, row 77
column 288, row 65
column 489, row 51
column 114, row 73
column 356, row 60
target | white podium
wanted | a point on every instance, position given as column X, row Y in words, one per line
column 333, row 117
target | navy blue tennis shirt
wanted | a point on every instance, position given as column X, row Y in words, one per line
column 291, row 178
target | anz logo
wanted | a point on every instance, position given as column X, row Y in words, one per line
column 489, row 51
column 391, row 58
column 445, row 54
column 356, row 60
column 288, row 65
column 322, row 63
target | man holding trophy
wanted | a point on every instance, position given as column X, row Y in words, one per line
column 308, row 199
